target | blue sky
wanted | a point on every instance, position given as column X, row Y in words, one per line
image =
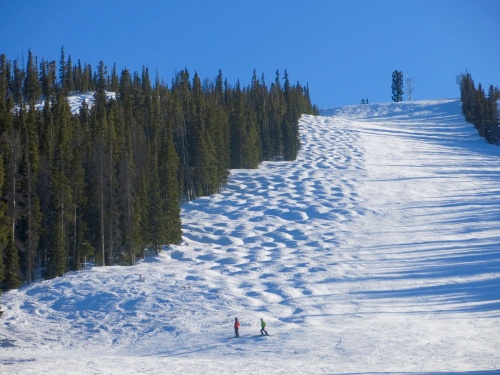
column 345, row 50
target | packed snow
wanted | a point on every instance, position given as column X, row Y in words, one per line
column 375, row 252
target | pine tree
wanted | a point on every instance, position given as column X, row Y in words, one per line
column 258, row 100
column 13, row 151
column 290, row 127
column 492, row 128
column 218, row 128
column 47, row 144
column 169, row 228
column 31, row 88
column 203, row 159
column 480, row 110
column 16, row 84
column 126, row 168
column 5, row 68
column 76, row 175
column 66, row 74
column 467, row 95
column 277, row 109
column 5, row 223
column 60, row 192
column 62, row 71
column 170, row 198
column 181, row 108
column 48, row 79
column 113, row 83
column 397, row 86
column 29, row 222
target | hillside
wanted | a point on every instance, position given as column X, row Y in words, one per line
column 376, row 251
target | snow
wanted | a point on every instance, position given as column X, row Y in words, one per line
column 375, row 252
column 75, row 101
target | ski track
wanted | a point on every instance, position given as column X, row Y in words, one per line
column 376, row 251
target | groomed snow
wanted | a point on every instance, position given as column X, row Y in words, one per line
column 376, row 252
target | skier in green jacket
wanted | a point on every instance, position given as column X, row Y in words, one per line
column 263, row 327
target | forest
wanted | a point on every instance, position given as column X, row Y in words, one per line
column 479, row 109
column 105, row 185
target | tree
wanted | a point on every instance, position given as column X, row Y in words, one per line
column 31, row 89
column 16, row 84
column 277, row 109
column 29, row 222
column 61, row 203
column 492, row 130
column 467, row 95
column 291, row 141
column 5, row 67
column 48, row 78
column 478, row 109
column 4, row 223
column 108, row 181
column 397, row 86
column 13, row 151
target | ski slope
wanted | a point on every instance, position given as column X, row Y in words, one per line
column 375, row 252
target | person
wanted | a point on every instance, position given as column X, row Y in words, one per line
column 236, row 327
column 263, row 327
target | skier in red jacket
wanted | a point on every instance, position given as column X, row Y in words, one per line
column 236, row 327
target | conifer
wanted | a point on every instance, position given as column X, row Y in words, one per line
column 397, row 86
column 31, row 87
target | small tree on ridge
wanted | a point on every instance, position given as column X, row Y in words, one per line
column 397, row 86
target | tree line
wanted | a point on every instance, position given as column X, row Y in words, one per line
column 479, row 109
column 106, row 183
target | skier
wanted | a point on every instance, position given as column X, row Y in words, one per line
column 236, row 327
column 263, row 327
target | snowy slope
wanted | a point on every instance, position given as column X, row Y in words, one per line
column 376, row 252
column 75, row 101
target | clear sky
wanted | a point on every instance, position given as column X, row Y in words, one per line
column 345, row 50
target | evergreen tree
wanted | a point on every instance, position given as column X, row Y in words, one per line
column 182, row 108
column 48, row 79
column 258, row 99
column 62, row 71
column 28, row 228
column 397, row 86
column 169, row 163
column 31, row 88
column 60, row 191
column 203, row 159
column 467, row 95
column 16, row 84
column 492, row 131
column 13, row 152
column 4, row 82
column 277, row 111
column 126, row 169
column 47, row 144
column 290, row 130
column 113, row 83
column 98, row 165
column 478, row 109
column 5, row 223
column 76, row 175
